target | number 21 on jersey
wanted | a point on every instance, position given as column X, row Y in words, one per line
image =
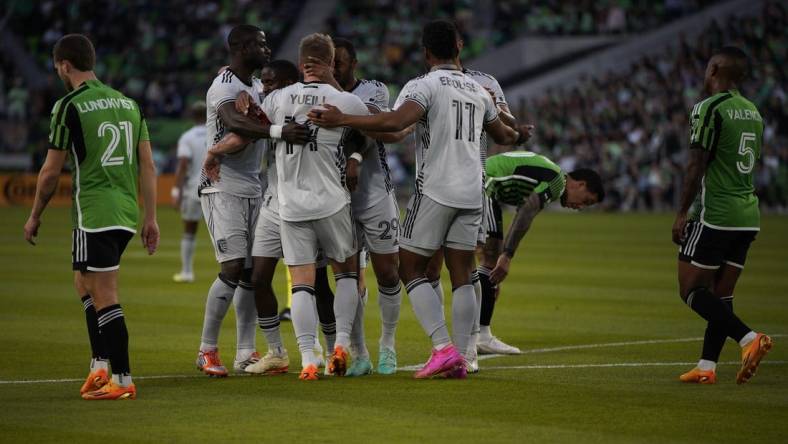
column 113, row 132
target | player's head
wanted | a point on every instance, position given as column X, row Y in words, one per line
column 344, row 61
column 248, row 46
column 319, row 46
column 583, row 188
column 73, row 54
column 197, row 111
column 441, row 42
column 278, row 74
column 727, row 68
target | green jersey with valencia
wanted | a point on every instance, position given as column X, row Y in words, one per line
column 731, row 129
column 101, row 129
column 514, row 176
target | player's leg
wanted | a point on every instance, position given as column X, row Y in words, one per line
column 424, row 230
column 300, row 248
column 190, row 214
column 324, row 297
column 714, row 337
column 98, row 373
column 433, row 273
column 360, row 363
column 276, row 360
column 386, row 270
column 99, row 277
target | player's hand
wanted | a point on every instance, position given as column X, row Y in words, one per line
column 295, row 133
column 212, row 165
column 175, row 194
column 679, row 227
column 31, row 229
column 150, row 236
column 526, row 131
column 501, row 270
column 318, row 68
column 242, row 102
column 351, row 174
column 328, row 117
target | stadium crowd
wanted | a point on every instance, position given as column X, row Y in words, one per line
column 631, row 125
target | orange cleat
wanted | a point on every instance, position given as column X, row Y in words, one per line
column 111, row 391
column 699, row 376
column 309, row 373
column 95, row 381
column 209, row 363
column 338, row 362
column 751, row 356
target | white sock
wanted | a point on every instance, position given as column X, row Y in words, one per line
column 188, row 242
column 437, row 286
column 707, row 365
column 463, row 309
column 345, row 302
column 485, row 334
column 219, row 298
column 121, row 380
column 358, row 342
column 96, row 364
column 429, row 312
column 245, row 321
column 390, row 300
column 749, row 337
column 304, row 315
column 477, row 290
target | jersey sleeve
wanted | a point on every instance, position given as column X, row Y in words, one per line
column 380, row 98
column 500, row 99
column 144, row 134
column 416, row 90
column 352, row 105
column 59, row 133
column 490, row 110
column 222, row 92
column 701, row 126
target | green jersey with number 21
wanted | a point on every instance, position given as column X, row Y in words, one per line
column 731, row 129
column 100, row 128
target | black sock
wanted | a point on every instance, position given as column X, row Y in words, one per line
column 113, row 328
column 715, row 336
column 488, row 297
column 713, row 310
column 97, row 346
column 324, row 299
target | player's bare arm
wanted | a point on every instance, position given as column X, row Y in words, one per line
column 239, row 123
column 321, row 70
column 180, row 179
column 150, row 229
column 520, row 225
column 45, row 189
column 696, row 168
column 503, row 134
column 401, row 118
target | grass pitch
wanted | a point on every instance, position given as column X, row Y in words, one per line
column 591, row 299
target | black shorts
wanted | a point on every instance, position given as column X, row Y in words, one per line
column 98, row 251
column 493, row 218
column 709, row 248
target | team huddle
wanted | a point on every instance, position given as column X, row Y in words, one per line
column 296, row 169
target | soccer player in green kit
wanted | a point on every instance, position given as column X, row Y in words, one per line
column 725, row 143
column 531, row 181
column 107, row 139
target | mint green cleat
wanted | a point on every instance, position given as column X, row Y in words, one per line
column 387, row 361
column 359, row 367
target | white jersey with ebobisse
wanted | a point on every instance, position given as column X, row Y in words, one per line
column 240, row 171
column 456, row 110
column 311, row 177
column 192, row 146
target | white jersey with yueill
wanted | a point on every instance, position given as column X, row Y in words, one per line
column 449, row 135
column 311, row 177
column 375, row 177
column 240, row 175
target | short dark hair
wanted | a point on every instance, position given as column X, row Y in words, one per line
column 77, row 49
column 340, row 42
column 593, row 181
column 241, row 35
column 739, row 66
column 284, row 70
column 440, row 38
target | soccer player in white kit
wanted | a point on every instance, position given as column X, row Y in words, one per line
column 191, row 154
column 231, row 204
column 451, row 110
column 314, row 206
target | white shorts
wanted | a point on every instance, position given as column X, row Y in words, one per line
column 301, row 241
column 190, row 208
column 428, row 225
column 231, row 222
column 377, row 227
column 267, row 236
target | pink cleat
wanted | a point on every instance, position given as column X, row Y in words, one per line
column 440, row 362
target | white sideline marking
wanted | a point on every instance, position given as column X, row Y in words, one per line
column 411, row 368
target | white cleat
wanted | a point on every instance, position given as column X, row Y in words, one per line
column 270, row 364
column 494, row 346
column 183, row 278
column 240, row 366
column 472, row 362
